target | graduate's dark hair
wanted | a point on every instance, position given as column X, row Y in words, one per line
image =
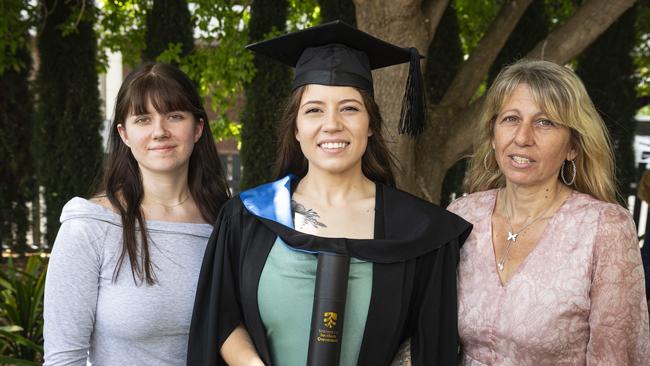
column 168, row 89
column 376, row 163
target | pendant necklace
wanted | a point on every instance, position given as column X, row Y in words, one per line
column 512, row 234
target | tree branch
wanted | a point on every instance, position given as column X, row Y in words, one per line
column 473, row 71
column 433, row 11
column 553, row 48
column 458, row 144
column 579, row 31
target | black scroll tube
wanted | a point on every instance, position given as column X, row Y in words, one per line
column 326, row 331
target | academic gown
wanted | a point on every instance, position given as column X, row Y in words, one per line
column 413, row 283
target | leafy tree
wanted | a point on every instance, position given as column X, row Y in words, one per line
column 218, row 62
column 16, row 123
column 16, row 18
column 448, row 131
column 607, row 70
column 265, row 93
column 68, row 117
column 168, row 26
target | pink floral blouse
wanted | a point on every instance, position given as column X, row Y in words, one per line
column 577, row 299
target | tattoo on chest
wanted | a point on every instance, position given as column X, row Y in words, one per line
column 310, row 216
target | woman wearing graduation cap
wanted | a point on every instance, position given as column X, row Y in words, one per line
column 331, row 264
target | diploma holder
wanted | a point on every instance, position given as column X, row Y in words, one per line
column 326, row 331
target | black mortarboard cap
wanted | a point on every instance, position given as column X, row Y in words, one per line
column 340, row 55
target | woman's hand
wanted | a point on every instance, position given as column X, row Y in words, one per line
column 403, row 355
column 239, row 350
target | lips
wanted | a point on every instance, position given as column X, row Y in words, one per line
column 521, row 160
column 162, row 148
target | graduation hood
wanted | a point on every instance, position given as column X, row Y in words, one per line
column 412, row 226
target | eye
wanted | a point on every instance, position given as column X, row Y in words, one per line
column 349, row 108
column 176, row 116
column 141, row 120
column 510, row 119
column 313, row 110
column 545, row 123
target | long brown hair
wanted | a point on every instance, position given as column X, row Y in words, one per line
column 168, row 89
column 376, row 163
column 559, row 93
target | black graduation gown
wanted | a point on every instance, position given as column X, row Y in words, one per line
column 413, row 284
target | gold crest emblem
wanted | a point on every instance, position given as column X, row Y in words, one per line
column 329, row 319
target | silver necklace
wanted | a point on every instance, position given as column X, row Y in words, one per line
column 175, row 204
column 512, row 234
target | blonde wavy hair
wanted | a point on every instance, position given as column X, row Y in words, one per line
column 558, row 91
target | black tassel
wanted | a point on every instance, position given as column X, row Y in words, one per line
column 413, row 115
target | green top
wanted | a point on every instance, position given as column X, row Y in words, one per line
column 286, row 296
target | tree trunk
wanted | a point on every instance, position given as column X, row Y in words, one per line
column 402, row 23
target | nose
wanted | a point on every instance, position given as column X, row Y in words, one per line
column 524, row 134
column 332, row 121
column 160, row 130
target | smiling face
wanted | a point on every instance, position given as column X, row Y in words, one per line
column 332, row 128
column 161, row 142
column 529, row 147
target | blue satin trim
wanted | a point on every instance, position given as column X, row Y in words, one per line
column 271, row 201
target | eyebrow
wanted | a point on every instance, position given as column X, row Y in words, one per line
column 320, row 102
column 139, row 115
column 350, row 100
column 540, row 113
column 312, row 102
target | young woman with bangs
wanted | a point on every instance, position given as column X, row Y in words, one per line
column 124, row 266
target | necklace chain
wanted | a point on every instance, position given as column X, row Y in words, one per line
column 175, row 204
column 512, row 234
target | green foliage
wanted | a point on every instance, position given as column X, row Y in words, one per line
column 120, row 27
column 172, row 54
column 474, row 18
column 218, row 62
column 305, row 13
column 607, row 70
column 220, row 72
column 68, row 144
column 16, row 18
column 558, row 11
column 21, row 312
column 641, row 52
column 223, row 128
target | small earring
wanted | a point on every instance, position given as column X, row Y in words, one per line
column 573, row 176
